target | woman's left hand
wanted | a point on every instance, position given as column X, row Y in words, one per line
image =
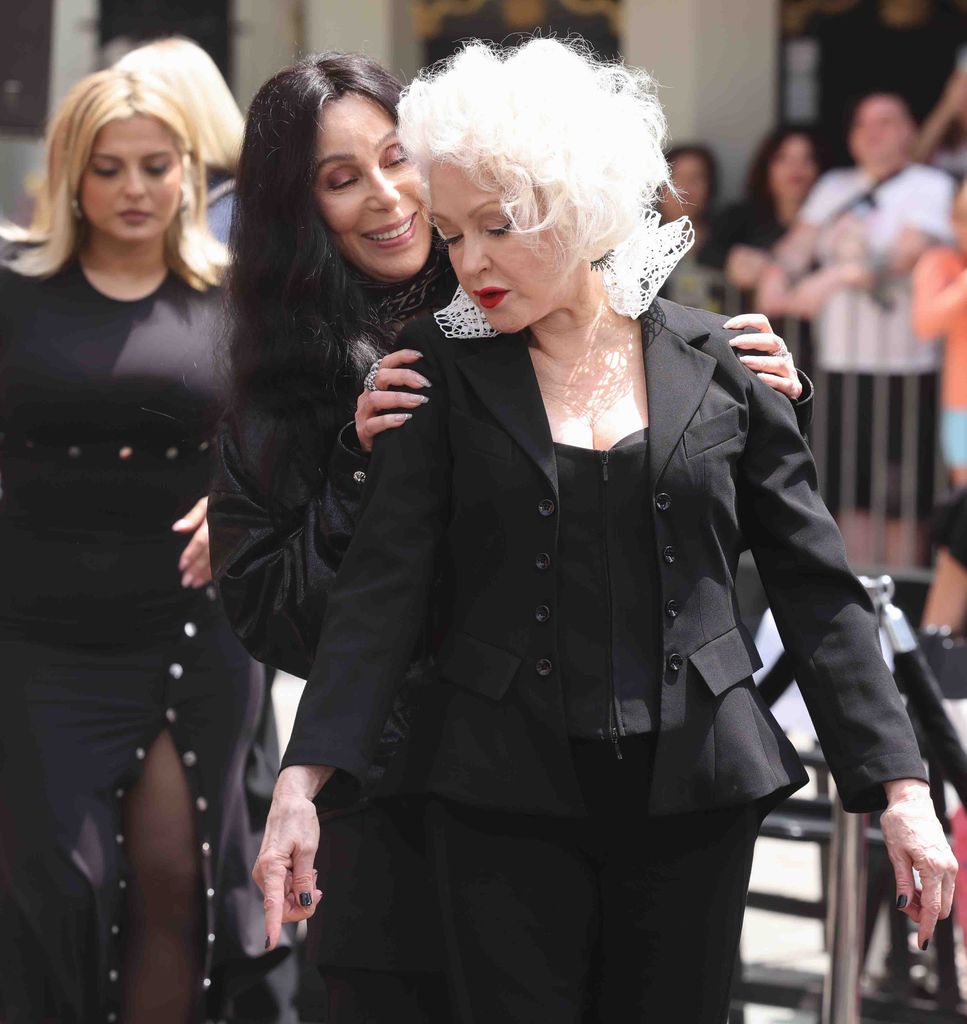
column 771, row 361
column 915, row 840
column 195, row 563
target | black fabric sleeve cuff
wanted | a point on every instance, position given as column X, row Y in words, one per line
column 347, row 783
column 861, row 789
column 346, row 473
column 803, row 405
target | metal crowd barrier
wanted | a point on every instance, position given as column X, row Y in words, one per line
column 838, row 996
column 891, row 534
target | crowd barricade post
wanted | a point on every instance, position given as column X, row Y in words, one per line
column 845, row 921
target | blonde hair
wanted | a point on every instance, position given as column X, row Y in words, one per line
column 572, row 144
column 56, row 235
column 199, row 87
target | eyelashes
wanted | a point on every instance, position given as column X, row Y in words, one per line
column 111, row 172
column 493, row 232
column 338, row 186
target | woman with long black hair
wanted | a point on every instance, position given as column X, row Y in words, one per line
column 332, row 254
column 308, row 324
column 588, row 471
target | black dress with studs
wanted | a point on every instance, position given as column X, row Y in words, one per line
column 106, row 408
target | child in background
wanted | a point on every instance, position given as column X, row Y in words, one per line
column 940, row 308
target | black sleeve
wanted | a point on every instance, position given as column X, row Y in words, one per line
column 378, row 603
column 274, row 561
column 824, row 616
column 803, row 405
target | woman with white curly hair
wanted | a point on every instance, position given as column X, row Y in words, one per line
column 584, row 476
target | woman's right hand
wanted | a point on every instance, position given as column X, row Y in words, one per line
column 372, row 407
column 284, row 870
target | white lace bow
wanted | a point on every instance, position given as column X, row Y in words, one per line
column 633, row 274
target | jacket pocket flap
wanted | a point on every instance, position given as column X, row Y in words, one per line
column 711, row 432
column 478, row 666
column 481, row 437
column 726, row 660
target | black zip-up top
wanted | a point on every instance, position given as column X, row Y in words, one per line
column 607, row 591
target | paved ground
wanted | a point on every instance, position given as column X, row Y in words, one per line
column 783, row 867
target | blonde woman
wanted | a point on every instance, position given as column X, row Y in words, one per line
column 127, row 706
column 199, row 87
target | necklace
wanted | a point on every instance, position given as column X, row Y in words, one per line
column 594, row 385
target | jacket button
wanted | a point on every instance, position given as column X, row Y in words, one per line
column 546, row 507
column 360, row 476
column 544, row 667
column 543, row 561
column 668, row 555
column 671, row 609
column 542, row 613
column 675, row 662
column 663, row 502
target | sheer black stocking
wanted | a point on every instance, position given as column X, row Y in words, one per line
column 163, row 934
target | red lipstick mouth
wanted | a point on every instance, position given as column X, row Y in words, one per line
column 490, row 297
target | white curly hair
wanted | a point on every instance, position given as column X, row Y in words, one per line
column 571, row 143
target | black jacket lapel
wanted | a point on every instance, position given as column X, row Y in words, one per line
column 676, row 376
column 501, row 372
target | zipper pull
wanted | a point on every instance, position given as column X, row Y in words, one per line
column 617, row 744
column 604, row 466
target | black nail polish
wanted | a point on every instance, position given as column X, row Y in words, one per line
column 268, row 942
column 305, row 898
column 901, row 902
column 926, row 942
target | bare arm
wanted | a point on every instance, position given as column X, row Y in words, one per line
column 952, row 102
column 910, row 245
column 777, row 296
column 938, row 301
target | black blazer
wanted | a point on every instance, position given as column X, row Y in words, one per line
column 471, row 484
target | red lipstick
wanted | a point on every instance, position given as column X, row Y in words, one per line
column 490, row 297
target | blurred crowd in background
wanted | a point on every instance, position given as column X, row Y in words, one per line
column 864, row 268
column 840, row 257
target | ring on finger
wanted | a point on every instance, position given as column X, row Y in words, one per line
column 369, row 381
column 782, row 351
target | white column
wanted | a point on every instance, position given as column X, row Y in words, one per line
column 717, row 65
column 361, row 26
column 73, row 55
column 264, row 39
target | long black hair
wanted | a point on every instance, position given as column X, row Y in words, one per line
column 757, row 184
column 302, row 334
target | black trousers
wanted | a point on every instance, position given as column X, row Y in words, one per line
column 612, row 918
column 386, row 997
